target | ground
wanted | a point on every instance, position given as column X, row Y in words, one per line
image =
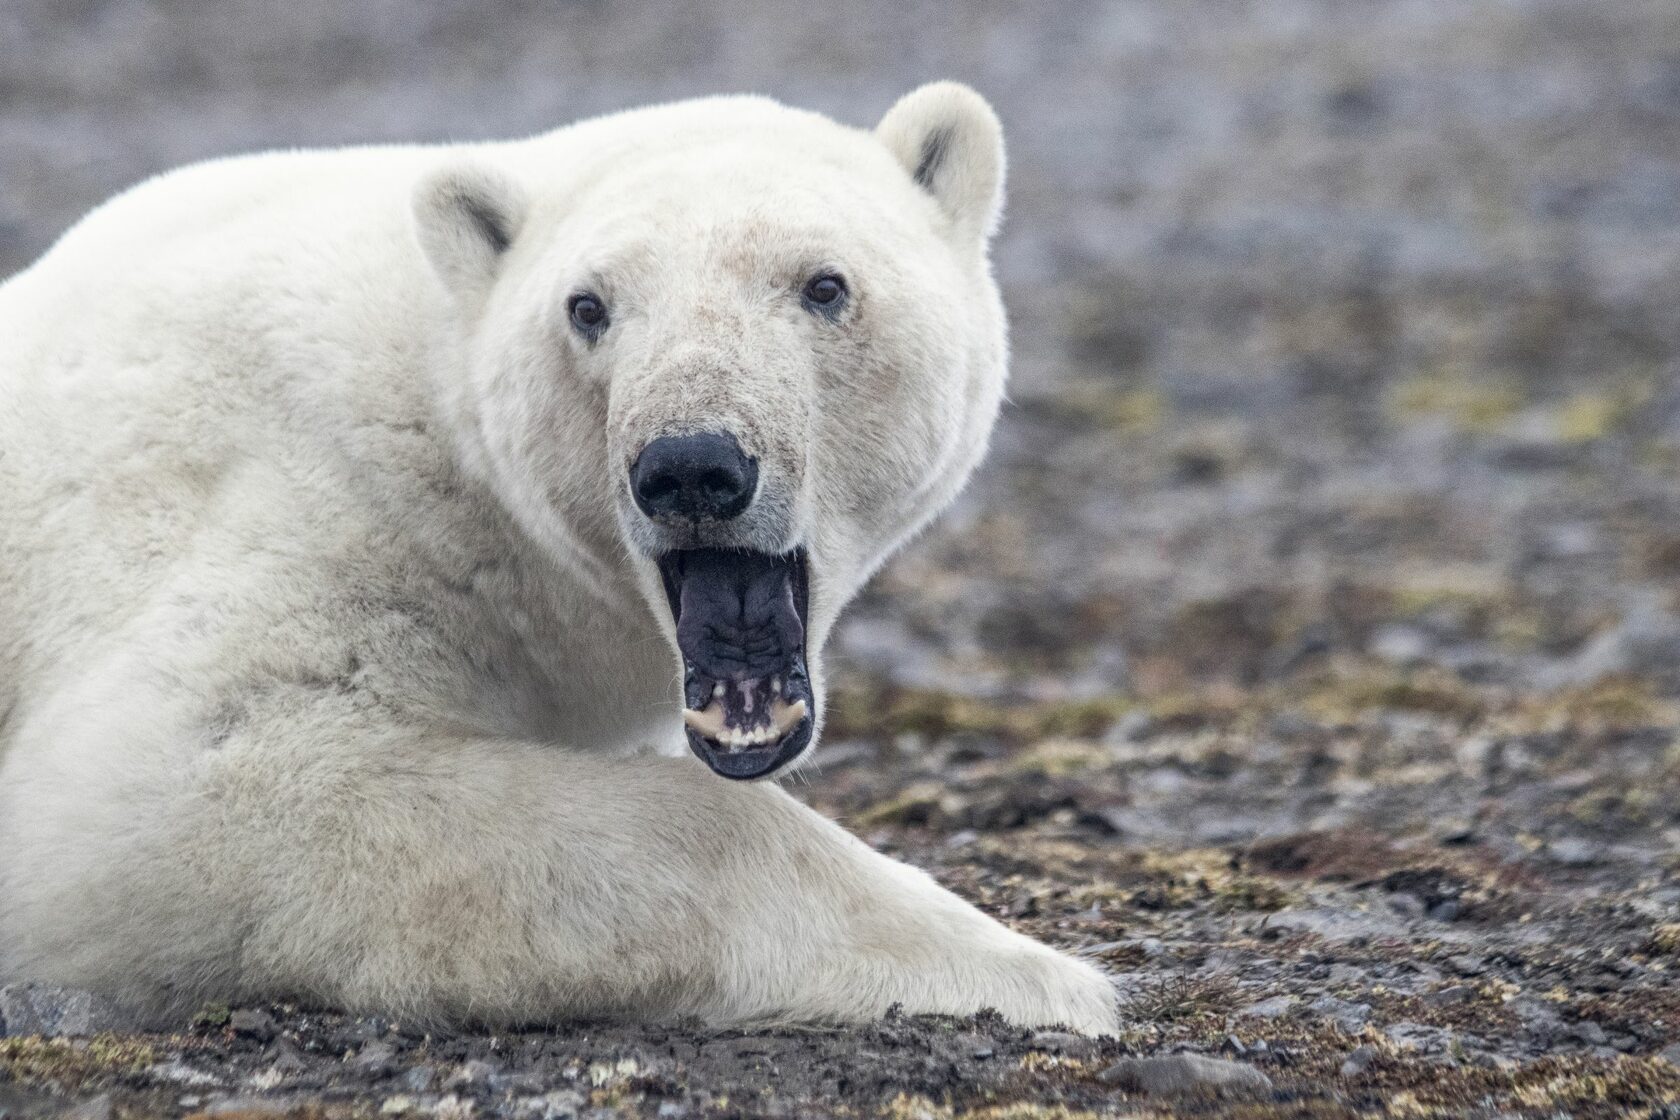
column 1309, row 649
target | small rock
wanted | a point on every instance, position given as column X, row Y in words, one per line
column 1269, row 1008
column 41, row 1009
column 1406, row 904
column 1358, row 1061
column 180, row 1073
column 1670, row 1054
column 1467, row 965
column 376, row 1058
column 418, row 1079
column 471, row 1073
column 1575, row 852
column 1337, row 925
column 94, row 1108
column 1447, row 910
column 1400, row 644
column 1057, row 1042
column 249, row 1106
column 1448, row 997
column 284, row 1057
column 1133, row 727
column 1174, row 1074
column 1418, row 1036
column 1455, row 832
column 253, row 1023
column 1350, row 1017
column 1589, row 1032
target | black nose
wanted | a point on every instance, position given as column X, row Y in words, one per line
column 701, row 475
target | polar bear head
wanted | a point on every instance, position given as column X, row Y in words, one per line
column 737, row 351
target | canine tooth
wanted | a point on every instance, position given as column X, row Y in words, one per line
column 785, row 717
column 775, row 686
column 718, row 690
column 708, row 722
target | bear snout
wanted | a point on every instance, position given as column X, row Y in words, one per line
column 702, row 476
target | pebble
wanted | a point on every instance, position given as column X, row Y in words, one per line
column 1589, row 1032
column 1174, row 1074
column 1446, row 911
column 253, row 1023
column 1418, row 1036
column 1574, row 852
column 1448, row 997
column 1348, row 1016
column 376, row 1057
column 94, row 1108
column 42, row 1009
column 1269, row 1008
column 1057, row 1042
column 250, row 1106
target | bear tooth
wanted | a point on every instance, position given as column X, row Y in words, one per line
column 708, row 722
column 776, row 686
column 785, row 717
column 718, row 690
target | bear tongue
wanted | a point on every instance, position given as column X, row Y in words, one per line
column 737, row 622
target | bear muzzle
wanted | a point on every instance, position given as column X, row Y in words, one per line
column 741, row 620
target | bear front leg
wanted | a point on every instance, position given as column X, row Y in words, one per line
column 469, row 880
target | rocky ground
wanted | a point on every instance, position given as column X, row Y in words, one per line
column 1309, row 651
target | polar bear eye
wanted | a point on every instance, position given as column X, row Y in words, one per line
column 589, row 314
column 825, row 293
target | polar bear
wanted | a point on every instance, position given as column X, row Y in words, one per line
column 389, row 535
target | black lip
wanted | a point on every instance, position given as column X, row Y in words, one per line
column 738, row 633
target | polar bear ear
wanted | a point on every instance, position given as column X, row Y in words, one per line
column 950, row 142
column 466, row 217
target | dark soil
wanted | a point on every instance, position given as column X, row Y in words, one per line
column 1309, row 650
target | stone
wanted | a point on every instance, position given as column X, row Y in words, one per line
column 1419, row 1037
column 1574, row 852
column 1057, row 1042
column 1348, row 1016
column 1449, row 996
column 376, row 1057
column 1447, row 910
column 253, row 1023
column 42, row 1009
column 250, row 1106
column 1176, row 1074
column 1358, row 1060
column 1269, row 1008
column 94, row 1108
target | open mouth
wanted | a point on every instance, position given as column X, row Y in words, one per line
column 741, row 619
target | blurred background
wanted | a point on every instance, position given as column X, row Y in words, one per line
column 1346, row 330
column 1342, row 326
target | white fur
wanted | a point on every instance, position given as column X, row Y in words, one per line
column 332, row 661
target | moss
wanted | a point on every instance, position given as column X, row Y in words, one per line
column 1471, row 404
column 1343, row 696
column 1665, row 940
column 888, row 711
column 1133, row 411
column 69, row 1063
